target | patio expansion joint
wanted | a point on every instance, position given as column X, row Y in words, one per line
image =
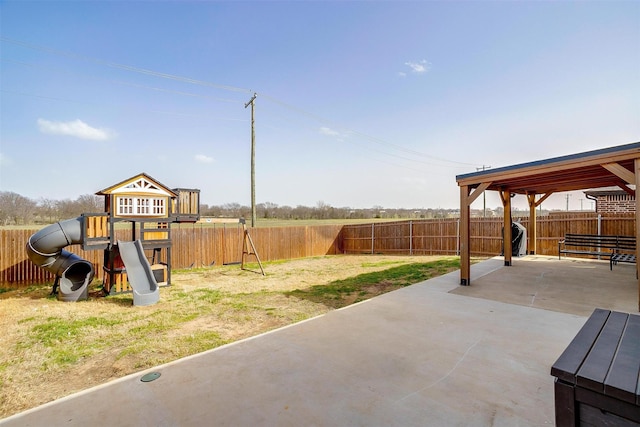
column 445, row 376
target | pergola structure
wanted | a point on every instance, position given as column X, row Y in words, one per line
column 614, row 166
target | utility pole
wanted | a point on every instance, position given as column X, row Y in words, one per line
column 484, row 194
column 253, row 159
column 540, row 207
column 567, row 196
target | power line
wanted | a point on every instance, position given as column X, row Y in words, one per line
column 128, row 106
column 371, row 148
column 229, row 88
column 122, row 66
column 378, row 141
column 362, row 145
column 484, row 193
column 124, row 83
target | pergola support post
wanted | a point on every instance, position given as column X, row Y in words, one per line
column 466, row 198
column 465, row 238
column 505, row 195
column 636, row 165
column 532, row 232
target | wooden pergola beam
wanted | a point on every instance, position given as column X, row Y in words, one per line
column 621, row 172
column 629, row 191
column 543, row 198
column 477, row 192
column 537, row 171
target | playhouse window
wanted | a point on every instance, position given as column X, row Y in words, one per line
column 125, row 205
column 143, row 206
column 158, row 206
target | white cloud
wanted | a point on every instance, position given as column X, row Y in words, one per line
column 329, row 132
column 420, row 67
column 338, row 136
column 402, row 74
column 201, row 158
column 76, row 128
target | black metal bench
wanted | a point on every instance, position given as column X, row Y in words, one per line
column 616, row 248
column 597, row 374
column 625, row 252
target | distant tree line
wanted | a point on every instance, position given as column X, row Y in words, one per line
column 16, row 209
column 324, row 211
column 321, row 210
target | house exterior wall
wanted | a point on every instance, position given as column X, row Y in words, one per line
column 615, row 203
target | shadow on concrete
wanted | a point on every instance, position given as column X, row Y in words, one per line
column 569, row 285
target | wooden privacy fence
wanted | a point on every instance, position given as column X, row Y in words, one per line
column 199, row 246
column 196, row 245
column 424, row 237
column 193, row 245
column 421, row 237
column 441, row 236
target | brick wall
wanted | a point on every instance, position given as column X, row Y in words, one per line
column 616, row 203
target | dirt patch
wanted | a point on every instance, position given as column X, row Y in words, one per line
column 50, row 349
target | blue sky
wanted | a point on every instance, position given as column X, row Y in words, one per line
column 359, row 104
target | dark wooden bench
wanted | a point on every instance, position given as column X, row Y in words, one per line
column 597, row 374
column 616, row 248
column 587, row 244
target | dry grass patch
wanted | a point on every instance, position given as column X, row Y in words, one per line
column 49, row 349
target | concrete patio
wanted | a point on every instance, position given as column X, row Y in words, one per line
column 430, row 354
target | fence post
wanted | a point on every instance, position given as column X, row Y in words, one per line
column 458, row 237
column 372, row 238
column 599, row 230
column 410, row 237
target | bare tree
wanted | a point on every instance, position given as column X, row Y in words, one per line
column 236, row 210
column 302, row 212
column 5, row 207
column 48, row 210
column 322, row 210
column 90, row 203
column 67, row 209
column 267, row 210
column 16, row 208
column 284, row 212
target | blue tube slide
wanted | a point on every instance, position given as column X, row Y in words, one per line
column 44, row 249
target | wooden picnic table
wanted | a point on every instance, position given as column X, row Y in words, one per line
column 597, row 374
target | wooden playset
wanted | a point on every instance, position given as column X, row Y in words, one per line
column 134, row 231
column 139, row 208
